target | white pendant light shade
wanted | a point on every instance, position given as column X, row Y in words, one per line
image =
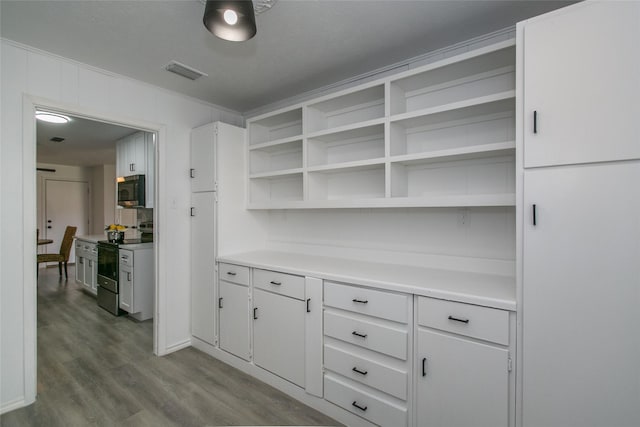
column 232, row 20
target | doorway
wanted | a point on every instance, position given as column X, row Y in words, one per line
column 82, row 151
column 66, row 203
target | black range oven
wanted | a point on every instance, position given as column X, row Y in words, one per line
column 108, row 265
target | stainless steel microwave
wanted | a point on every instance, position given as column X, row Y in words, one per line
column 131, row 192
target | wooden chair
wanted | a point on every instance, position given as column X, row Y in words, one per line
column 65, row 251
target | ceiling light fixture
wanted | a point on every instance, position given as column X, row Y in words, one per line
column 232, row 20
column 46, row 116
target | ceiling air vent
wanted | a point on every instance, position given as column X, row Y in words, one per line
column 56, row 139
column 184, row 70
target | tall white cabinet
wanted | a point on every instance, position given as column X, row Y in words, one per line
column 209, row 167
column 581, row 217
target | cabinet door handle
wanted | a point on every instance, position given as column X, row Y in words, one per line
column 273, row 282
column 81, row 260
column 362, row 408
column 90, row 265
column 360, row 301
column 192, row 173
column 308, row 307
column 128, row 276
column 355, row 369
column 255, row 313
column 533, row 213
column 535, row 121
column 193, row 211
column 357, row 334
column 231, row 273
column 220, row 302
column 424, row 366
column 457, row 319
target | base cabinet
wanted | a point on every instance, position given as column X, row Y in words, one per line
column 461, row 382
column 136, row 284
column 278, row 335
column 87, row 265
column 233, row 309
column 463, row 365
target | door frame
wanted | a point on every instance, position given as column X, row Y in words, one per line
column 29, row 207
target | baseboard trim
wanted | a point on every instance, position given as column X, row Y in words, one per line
column 175, row 347
column 14, row 404
column 284, row 386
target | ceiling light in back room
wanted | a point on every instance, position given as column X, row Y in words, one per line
column 49, row 117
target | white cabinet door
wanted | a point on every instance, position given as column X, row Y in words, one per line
column 122, row 158
column 581, row 79
column 461, row 382
column 79, row 269
column 203, row 162
column 88, row 266
column 278, row 335
column 581, row 295
column 203, row 274
column 126, row 289
column 138, row 154
column 92, row 279
column 233, row 306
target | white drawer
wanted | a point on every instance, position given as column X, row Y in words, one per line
column 362, row 403
column 369, row 335
column 474, row 321
column 366, row 371
column 126, row 257
column 234, row 273
column 281, row 283
column 386, row 305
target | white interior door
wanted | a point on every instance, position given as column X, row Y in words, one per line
column 66, row 203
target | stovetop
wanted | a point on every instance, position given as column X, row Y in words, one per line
column 127, row 242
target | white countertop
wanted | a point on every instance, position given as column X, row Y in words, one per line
column 93, row 238
column 473, row 288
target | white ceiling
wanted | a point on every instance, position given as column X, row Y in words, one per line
column 86, row 142
column 301, row 45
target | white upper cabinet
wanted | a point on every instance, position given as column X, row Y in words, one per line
column 203, row 164
column 582, row 85
column 132, row 154
column 441, row 135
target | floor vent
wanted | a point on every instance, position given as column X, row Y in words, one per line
column 184, row 70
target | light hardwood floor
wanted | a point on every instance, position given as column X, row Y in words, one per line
column 95, row 369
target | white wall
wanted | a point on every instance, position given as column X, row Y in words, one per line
column 469, row 239
column 80, row 89
column 103, row 197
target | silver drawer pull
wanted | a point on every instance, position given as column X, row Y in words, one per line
column 456, row 319
column 355, row 369
column 231, row 273
column 360, row 301
column 362, row 408
column 357, row 334
column 275, row 283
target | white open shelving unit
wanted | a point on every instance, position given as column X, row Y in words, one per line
column 442, row 135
